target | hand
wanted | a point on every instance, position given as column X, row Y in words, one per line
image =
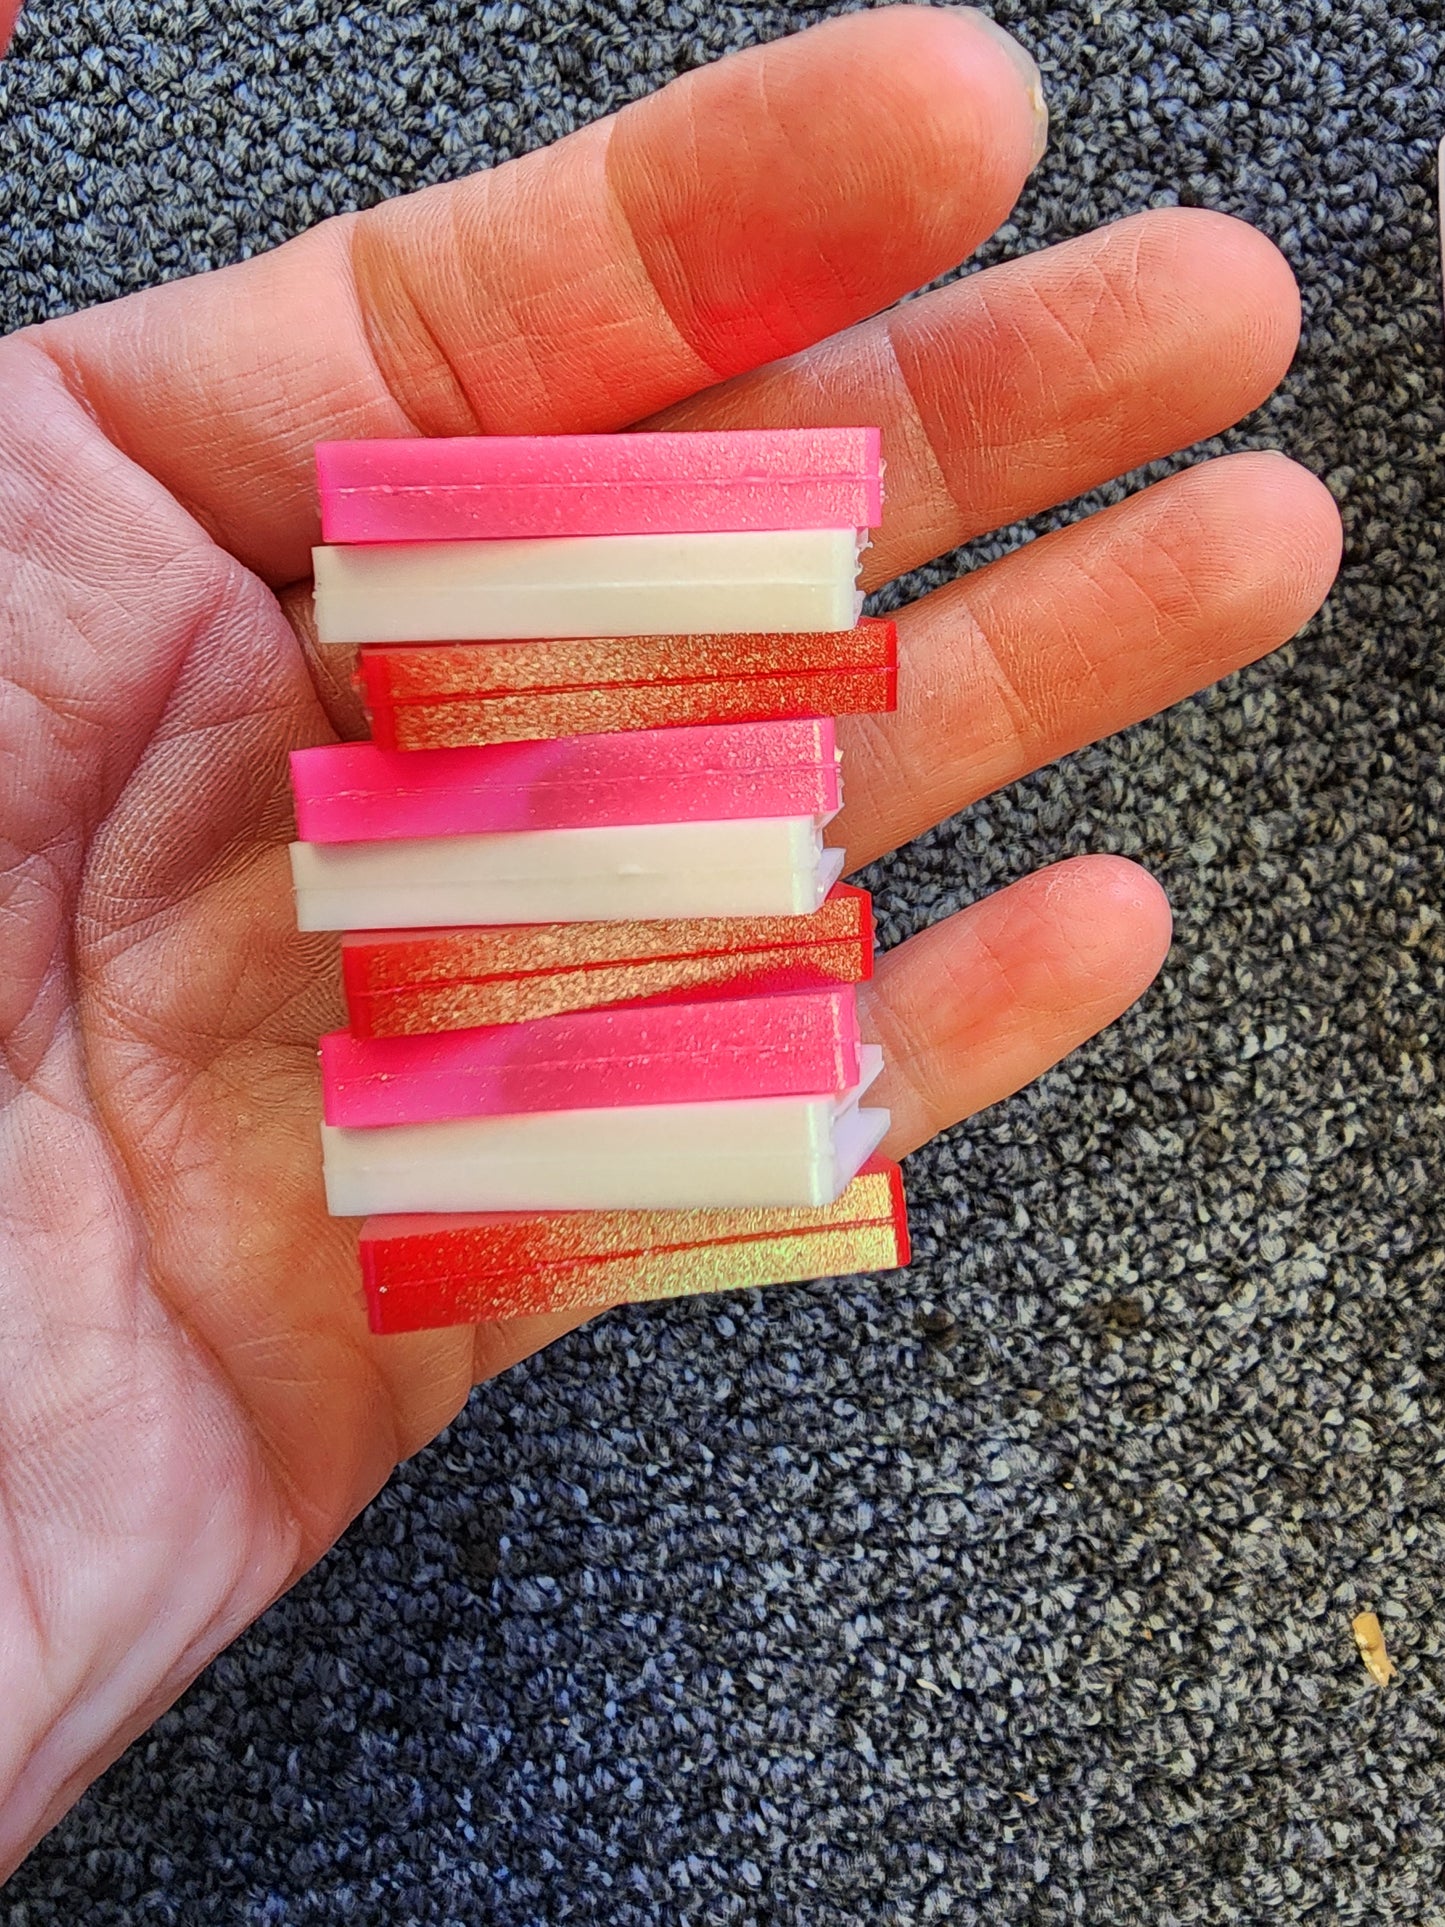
column 191, row 1407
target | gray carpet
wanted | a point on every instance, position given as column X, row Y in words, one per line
column 1016, row 1589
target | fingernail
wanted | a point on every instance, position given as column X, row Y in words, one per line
column 1028, row 72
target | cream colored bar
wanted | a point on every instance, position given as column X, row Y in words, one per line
column 747, row 1151
column 746, row 867
column 766, row 581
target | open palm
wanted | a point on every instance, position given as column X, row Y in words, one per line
column 191, row 1407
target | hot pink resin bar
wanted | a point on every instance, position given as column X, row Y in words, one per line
column 801, row 1044
column 489, row 487
column 355, row 792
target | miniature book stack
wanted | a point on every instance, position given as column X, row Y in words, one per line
column 600, row 974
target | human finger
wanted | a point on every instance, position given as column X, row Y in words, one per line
column 1082, row 632
column 982, row 1003
column 746, row 210
column 1027, row 384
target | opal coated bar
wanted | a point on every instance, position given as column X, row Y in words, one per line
column 753, row 867
column 403, row 983
column 421, row 697
column 480, row 488
column 800, row 1044
column 424, row 1272
column 355, row 792
column 586, row 585
column 744, row 1151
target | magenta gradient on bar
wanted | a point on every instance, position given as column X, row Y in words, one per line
column 355, row 792
column 799, row 1044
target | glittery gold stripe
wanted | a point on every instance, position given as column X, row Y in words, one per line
column 395, row 960
column 422, row 1273
column 730, row 1267
column 475, row 723
column 416, row 672
column 414, row 1010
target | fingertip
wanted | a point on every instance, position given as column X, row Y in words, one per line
column 1285, row 488
column 958, row 58
column 977, row 1006
column 1229, row 256
column 1232, row 557
column 1292, row 537
column 1114, row 922
column 1217, row 288
column 792, row 189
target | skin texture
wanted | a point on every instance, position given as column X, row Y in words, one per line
column 191, row 1408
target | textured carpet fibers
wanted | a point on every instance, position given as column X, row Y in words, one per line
column 1016, row 1589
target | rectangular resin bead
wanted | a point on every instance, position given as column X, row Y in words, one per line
column 485, row 487
column 355, row 792
column 752, row 867
column 403, row 983
column 801, row 1044
column 421, row 697
column 741, row 1151
column 423, row 1272
column 587, row 585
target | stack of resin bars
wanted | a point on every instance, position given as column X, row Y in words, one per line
column 600, row 974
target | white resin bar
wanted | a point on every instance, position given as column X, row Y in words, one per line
column 749, row 1151
column 749, row 867
column 592, row 585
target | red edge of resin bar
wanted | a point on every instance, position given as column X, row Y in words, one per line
column 406, row 983
column 439, row 696
column 423, row 1273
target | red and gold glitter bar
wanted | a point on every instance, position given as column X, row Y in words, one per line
column 424, row 1272
column 403, row 983
column 449, row 696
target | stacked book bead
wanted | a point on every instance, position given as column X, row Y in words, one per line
column 601, row 977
